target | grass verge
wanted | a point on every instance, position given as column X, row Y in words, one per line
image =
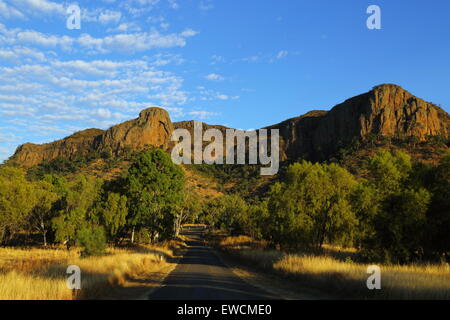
column 40, row 274
column 332, row 273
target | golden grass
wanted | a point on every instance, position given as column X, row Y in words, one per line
column 40, row 274
column 344, row 278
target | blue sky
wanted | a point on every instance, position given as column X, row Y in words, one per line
column 245, row 64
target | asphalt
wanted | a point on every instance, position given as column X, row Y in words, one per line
column 201, row 275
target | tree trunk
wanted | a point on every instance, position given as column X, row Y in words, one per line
column 44, row 232
column 132, row 235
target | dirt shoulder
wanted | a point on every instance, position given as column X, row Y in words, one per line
column 284, row 288
column 141, row 285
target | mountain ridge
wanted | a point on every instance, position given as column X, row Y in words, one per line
column 387, row 110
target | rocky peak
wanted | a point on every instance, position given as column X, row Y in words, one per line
column 386, row 110
column 153, row 127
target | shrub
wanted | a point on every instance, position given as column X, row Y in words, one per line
column 92, row 239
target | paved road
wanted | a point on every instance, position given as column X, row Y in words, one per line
column 200, row 275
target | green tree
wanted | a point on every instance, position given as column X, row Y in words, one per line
column 233, row 209
column 438, row 217
column 154, row 189
column 400, row 226
column 436, row 179
column 113, row 213
column 93, row 240
column 188, row 210
column 254, row 220
column 17, row 199
column 392, row 207
column 80, row 198
column 312, row 206
column 388, row 171
column 42, row 212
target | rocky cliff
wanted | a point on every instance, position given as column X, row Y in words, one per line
column 153, row 127
column 80, row 143
column 387, row 110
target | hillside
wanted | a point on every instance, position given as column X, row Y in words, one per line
column 387, row 113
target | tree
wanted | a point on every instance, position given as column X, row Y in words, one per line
column 393, row 207
column 42, row 213
column 399, row 227
column 80, row 198
column 311, row 206
column 388, row 171
column 438, row 217
column 93, row 240
column 154, row 189
column 436, row 179
column 254, row 220
column 233, row 209
column 17, row 199
column 113, row 213
column 212, row 212
column 189, row 209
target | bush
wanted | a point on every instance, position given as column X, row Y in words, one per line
column 92, row 239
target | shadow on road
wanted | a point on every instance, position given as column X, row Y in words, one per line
column 201, row 275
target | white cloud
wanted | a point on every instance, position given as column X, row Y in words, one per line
column 222, row 97
column 209, row 95
column 103, row 113
column 110, row 17
column 51, row 97
column 40, row 6
column 206, row 5
column 214, row 77
column 173, row 4
column 188, row 33
column 132, row 42
column 252, row 59
column 7, row 137
column 9, row 12
column 217, row 59
column 202, row 115
column 96, row 67
column 282, row 54
column 126, row 27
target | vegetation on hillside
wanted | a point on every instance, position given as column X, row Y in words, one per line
column 400, row 213
column 149, row 202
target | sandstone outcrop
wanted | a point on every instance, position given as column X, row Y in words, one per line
column 80, row 143
column 153, row 127
column 387, row 110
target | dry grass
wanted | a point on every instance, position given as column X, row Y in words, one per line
column 39, row 274
column 344, row 278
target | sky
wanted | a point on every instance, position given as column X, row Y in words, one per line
column 241, row 63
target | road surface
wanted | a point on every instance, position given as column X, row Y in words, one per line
column 200, row 275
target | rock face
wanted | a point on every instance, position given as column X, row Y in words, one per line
column 80, row 143
column 153, row 127
column 387, row 111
